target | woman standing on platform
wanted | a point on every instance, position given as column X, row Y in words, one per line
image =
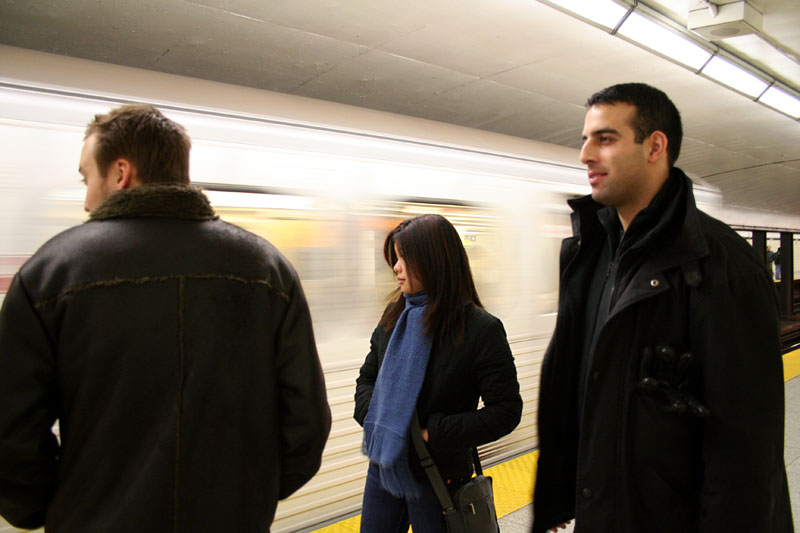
column 436, row 351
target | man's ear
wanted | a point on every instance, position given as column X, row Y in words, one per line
column 657, row 146
column 124, row 174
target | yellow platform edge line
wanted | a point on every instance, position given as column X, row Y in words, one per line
column 513, row 479
column 791, row 365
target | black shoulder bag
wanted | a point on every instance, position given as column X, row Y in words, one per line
column 471, row 508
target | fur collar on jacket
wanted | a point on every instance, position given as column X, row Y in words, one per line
column 156, row 201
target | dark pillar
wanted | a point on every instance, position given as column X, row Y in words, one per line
column 787, row 273
column 760, row 244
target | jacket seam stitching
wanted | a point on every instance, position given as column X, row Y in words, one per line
column 114, row 282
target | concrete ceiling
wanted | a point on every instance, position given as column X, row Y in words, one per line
column 517, row 67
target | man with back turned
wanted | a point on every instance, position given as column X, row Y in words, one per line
column 175, row 350
column 661, row 400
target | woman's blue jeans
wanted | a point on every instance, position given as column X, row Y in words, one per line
column 383, row 513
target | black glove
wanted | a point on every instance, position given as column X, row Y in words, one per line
column 665, row 376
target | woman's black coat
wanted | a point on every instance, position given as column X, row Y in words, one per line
column 457, row 375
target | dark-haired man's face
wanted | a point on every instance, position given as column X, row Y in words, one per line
column 616, row 163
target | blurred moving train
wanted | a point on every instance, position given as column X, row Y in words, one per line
column 325, row 183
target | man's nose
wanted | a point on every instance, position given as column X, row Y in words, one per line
column 587, row 154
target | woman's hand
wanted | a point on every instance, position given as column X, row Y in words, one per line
column 424, row 434
column 561, row 526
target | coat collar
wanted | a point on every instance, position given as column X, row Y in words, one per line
column 156, row 201
column 673, row 236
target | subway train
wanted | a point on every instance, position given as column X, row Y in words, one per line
column 325, row 183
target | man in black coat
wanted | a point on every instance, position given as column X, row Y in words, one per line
column 175, row 351
column 661, row 401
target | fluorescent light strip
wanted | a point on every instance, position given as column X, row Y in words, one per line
column 737, row 78
column 658, row 38
column 782, row 101
column 604, row 12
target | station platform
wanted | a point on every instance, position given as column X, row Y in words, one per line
column 513, row 479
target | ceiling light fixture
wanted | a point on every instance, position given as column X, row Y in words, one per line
column 606, row 13
column 651, row 30
column 664, row 41
column 782, row 101
column 734, row 77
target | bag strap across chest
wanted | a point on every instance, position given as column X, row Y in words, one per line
column 431, row 471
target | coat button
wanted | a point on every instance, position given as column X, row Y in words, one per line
column 587, row 493
column 654, row 283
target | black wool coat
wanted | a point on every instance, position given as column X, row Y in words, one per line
column 456, row 377
column 176, row 352
column 624, row 462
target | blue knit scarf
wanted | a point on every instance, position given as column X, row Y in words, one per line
column 394, row 398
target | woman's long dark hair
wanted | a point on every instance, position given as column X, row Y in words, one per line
column 433, row 252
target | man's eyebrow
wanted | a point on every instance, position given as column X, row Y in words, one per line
column 602, row 131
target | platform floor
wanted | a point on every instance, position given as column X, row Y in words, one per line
column 513, row 479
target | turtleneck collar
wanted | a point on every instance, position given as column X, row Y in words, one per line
column 665, row 211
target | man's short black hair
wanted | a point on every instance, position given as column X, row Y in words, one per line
column 654, row 111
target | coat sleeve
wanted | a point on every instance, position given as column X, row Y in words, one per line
column 367, row 376
column 734, row 334
column 305, row 416
column 28, row 447
column 496, row 377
